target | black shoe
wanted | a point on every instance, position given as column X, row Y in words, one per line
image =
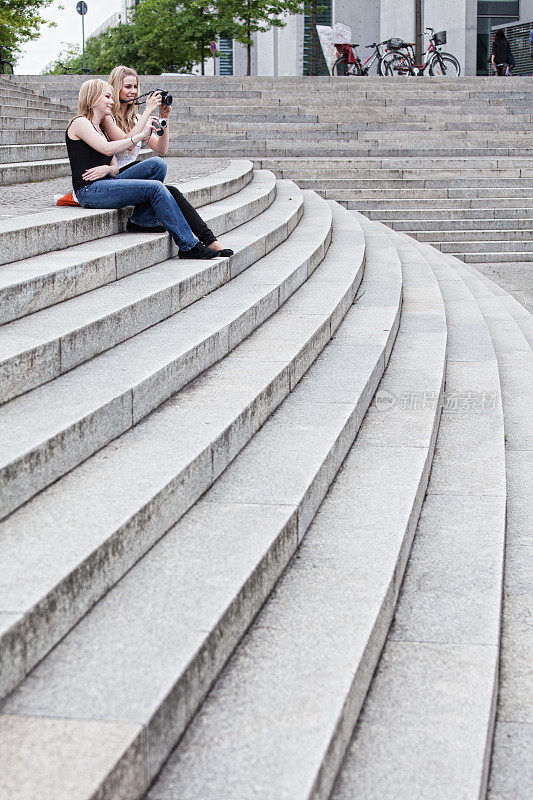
column 132, row 227
column 226, row 253
column 198, row 251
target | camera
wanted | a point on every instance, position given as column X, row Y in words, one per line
column 161, row 125
column 166, row 98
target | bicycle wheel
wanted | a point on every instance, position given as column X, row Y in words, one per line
column 444, row 64
column 398, row 66
column 341, row 67
column 386, row 59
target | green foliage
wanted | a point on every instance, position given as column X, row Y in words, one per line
column 162, row 36
column 20, row 21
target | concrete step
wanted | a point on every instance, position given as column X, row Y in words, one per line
column 48, row 343
column 393, row 135
column 388, row 184
column 58, row 228
column 512, row 737
column 330, row 612
column 346, row 150
column 365, row 121
column 428, row 195
column 432, row 699
column 18, row 153
column 27, row 105
column 54, row 123
column 489, row 234
column 432, row 216
column 38, row 110
column 286, row 114
column 520, row 315
column 114, row 390
column 457, row 203
column 523, row 245
column 228, row 590
column 452, row 226
column 378, row 162
column 34, row 171
column 215, row 625
column 32, row 284
column 498, row 256
column 11, row 136
column 367, row 173
column 68, row 582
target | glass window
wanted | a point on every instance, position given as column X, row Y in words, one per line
column 323, row 17
column 497, row 8
column 225, row 48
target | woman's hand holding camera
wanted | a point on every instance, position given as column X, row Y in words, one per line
column 153, row 101
column 164, row 111
column 150, row 126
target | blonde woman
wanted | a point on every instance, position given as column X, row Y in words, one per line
column 125, row 122
column 95, row 172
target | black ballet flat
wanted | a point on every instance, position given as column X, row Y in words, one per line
column 132, row 227
column 226, row 253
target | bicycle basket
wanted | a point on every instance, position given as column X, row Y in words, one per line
column 395, row 43
column 440, row 38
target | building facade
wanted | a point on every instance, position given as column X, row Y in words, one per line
column 468, row 23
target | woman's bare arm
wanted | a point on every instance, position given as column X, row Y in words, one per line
column 81, row 128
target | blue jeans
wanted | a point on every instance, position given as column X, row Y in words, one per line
column 141, row 185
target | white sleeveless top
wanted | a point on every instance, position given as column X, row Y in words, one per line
column 128, row 156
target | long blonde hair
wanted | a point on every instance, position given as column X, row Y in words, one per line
column 91, row 92
column 125, row 113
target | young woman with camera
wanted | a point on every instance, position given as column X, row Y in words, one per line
column 125, row 122
column 95, row 172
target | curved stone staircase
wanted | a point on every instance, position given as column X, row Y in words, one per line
column 255, row 512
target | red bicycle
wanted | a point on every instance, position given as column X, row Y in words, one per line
column 349, row 63
column 439, row 62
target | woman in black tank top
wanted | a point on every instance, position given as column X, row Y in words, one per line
column 95, row 176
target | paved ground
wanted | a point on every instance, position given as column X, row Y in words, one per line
column 516, row 278
column 26, row 198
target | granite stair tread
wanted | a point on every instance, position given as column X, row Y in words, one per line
column 57, row 228
column 56, row 339
column 89, row 406
column 431, row 704
column 330, row 611
column 145, row 497
column 201, row 637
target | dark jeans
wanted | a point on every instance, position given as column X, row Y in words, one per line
column 197, row 225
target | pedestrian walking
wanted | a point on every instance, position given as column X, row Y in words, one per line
column 502, row 56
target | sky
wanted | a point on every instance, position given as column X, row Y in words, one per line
column 37, row 54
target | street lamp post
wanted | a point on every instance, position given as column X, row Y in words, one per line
column 81, row 8
column 418, row 31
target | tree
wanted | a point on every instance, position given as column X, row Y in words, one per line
column 161, row 36
column 246, row 17
column 20, row 21
column 315, row 44
column 203, row 22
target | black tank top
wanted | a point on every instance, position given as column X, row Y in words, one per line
column 82, row 157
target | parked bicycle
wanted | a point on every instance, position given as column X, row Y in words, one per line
column 438, row 62
column 349, row 62
column 6, row 67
